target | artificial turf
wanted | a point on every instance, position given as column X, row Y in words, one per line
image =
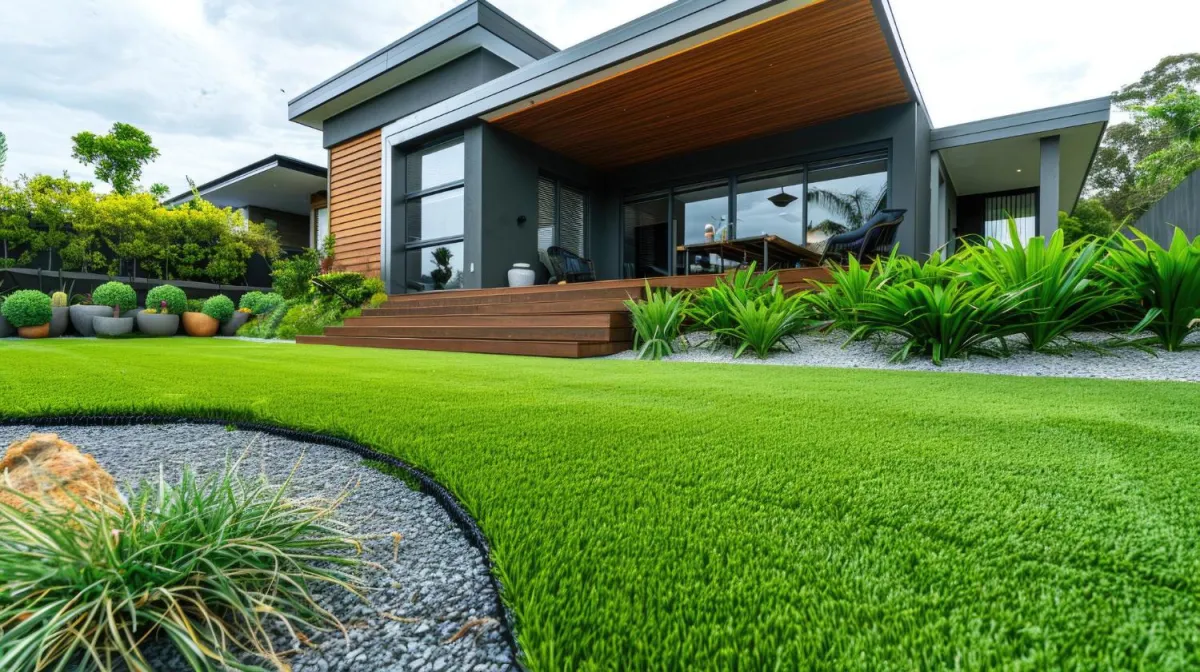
column 675, row 516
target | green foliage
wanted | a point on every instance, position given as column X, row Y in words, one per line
column 118, row 155
column 838, row 304
column 260, row 303
column 3, row 151
column 657, row 321
column 1166, row 281
column 1057, row 282
column 702, row 517
column 377, row 300
column 195, row 305
column 117, row 295
column 761, row 323
column 15, row 230
column 27, row 308
column 951, row 319
column 210, row 566
column 292, row 277
column 175, row 298
column 443, row 272
column 249, row 300
column 351, row 290
column 58, row 300
column 711, row 308
column 219, row 307
column 310, row 319
column 267, row 325
column 1090, row 218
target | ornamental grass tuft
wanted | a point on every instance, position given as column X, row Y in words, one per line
column 210, row 565
column 657, row 322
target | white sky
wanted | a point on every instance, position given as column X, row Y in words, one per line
column 210, row 79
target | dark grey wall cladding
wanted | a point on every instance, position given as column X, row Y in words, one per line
column 511, row 166
column 1179, row 208
column 461, row 74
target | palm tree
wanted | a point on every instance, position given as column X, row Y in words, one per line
column 853, row 208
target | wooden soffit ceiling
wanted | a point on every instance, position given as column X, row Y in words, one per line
column 810, row 64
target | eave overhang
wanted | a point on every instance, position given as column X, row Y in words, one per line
column 276, row 182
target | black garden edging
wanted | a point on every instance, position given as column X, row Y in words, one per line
column 429, row 486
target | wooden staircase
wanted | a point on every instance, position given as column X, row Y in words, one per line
column 572, row 321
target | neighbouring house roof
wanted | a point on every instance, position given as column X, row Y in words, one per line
column 475, row 24
column 276, row 182
column 1003, row 153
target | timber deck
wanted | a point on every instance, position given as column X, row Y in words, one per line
column 570, row 321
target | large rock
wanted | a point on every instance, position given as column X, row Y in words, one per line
column 47, row 468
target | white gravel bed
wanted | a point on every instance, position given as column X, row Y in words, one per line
column 825, row 350
column 417, row 603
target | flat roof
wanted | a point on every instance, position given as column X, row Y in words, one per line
column 277, row 182
column 472, row 25
column 1044, row 120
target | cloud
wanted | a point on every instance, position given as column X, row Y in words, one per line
column 210, row 79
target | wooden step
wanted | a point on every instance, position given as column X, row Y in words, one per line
column 601, row 320
column 532, row 308
column 563, row 349
column 501, row 333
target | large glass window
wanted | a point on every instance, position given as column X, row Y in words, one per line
column 1022, row 207
column 842, row 196
column 647, row 239
column 701, row 214
column 434, row 217
column 772, row 204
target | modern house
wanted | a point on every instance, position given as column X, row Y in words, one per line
column 799, row 118
column 286, row 193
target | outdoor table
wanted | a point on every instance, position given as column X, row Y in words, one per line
column 767, row 251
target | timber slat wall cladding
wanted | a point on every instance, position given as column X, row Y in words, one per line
column 355, row 194
column 814, row 64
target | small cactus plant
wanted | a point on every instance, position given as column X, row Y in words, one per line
column 58, row 300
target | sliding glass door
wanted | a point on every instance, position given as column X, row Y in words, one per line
column 647, row 241
column 434, row 218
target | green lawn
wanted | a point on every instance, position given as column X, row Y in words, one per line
column 672, row 516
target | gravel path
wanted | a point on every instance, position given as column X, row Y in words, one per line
column 439, row 583
column 1124, row 363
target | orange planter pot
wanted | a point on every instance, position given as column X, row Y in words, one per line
column 199, row 324
column 34, row 332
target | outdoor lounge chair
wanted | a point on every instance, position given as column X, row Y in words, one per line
column 872, row 239
column 565, row 265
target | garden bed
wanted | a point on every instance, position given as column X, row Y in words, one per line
column 424, row 591
column 1086, row 358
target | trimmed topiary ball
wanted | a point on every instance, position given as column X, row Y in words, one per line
column 250, row 301
column 27, row 308
column 116, row 295
column 177, row 301
column 219, row 307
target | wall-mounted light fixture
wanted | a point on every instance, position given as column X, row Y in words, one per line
column 521, row 219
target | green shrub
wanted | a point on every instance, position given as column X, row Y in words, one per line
column 176, row 299
column 657, row 321
column 711, row 308
column 947, row 320
column 292, row 277
column 250, row 300
column 209, row 566
column 219, row 307
column 1056, row 280
column 839, row 303
column 351, row 290
column 762, row 323
column 377, row 300
column 27, row 308
column 117, row 295
column 195, row 305
column 308, row 319
column 260, row 303
column 1166, row 282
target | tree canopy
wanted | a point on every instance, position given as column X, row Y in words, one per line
column 118, row 156
column 1142, row 159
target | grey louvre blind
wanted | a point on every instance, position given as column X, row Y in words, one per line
column 571, row 220
column 545, row 213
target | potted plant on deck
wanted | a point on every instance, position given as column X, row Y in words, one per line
column 62, row 314
column 30, row 312
column 206, row 322
column 119, row 297
column 82, row 311
column 164, row 305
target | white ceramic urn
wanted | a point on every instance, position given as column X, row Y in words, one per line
column 520, row 275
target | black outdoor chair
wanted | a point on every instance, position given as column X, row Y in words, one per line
column 872, row 239
column 566, row 265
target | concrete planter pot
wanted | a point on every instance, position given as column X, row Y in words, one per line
column 112, row 326
column 230, row 328
column 132, row 313
column 157, row 325
column 60, row 321
column 81, row 318
column 6, row 329
column 40, row 331
column 200, row 325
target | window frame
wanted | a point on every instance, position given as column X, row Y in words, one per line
column 408, row 197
